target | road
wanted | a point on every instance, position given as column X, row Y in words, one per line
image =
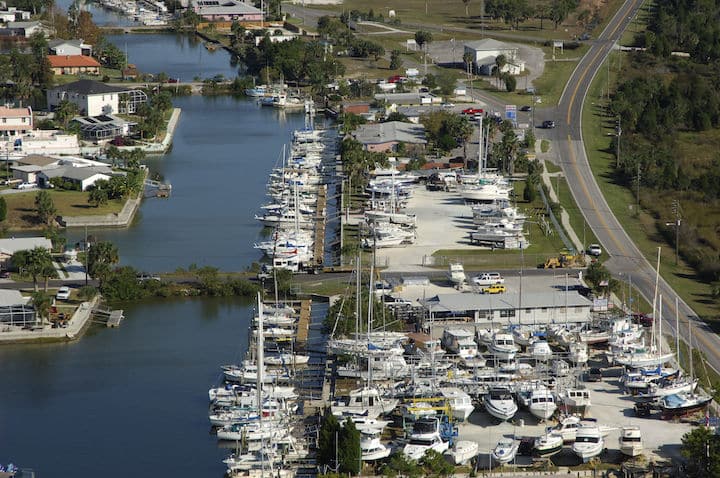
column 626, row 260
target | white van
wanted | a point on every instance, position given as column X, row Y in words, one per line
column 488, row 278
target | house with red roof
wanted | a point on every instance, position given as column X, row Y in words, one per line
column 73, row 64
column 15, row 121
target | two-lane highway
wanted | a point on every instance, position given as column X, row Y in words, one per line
column 626, row 259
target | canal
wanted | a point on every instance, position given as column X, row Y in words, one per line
column 133, row 401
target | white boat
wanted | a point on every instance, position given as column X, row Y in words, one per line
column 248, row 372
column 548, row 444
column 630, row 441
column 253, row 431
column 456, row 274
column 560, row 368
column 569, row 424
column 278, row 320
column 425, row 436
column 500, row 404
column 578, row 353
column 576, row 399
column 589, row 441
column 644, row 359
column 484, row 192
column 366, row 402
column 265, row 457
column 463, row 451
column 540, row 350
column 503, row 347
column 505, row 451
column 460, row 341
column 460, row 402
column 542, row 404
column 659, row 390
column 287, row 359
column 683, row 404
column 372, row 449
column 368, row 425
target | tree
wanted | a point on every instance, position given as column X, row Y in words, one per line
column 3, row 209
column 44, row 206
column 66, row 111
column 468, row 59
column 349, row 454
column 33, row 262
column 500, row 62
column 97, row 197
column 701, row 448
column 600, row 279
column 400, row 464
column 48, row 272
column 328, row 440
column 423, row 38
column 395, row 59
column 510, row 82
column 100, row 258
column 41, row 302
column 436, row 464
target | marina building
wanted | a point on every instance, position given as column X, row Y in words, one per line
column 552, row 307
column 227, row 10
column 484, row 52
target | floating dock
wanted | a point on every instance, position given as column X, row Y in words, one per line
column 111, row 318
column 303, row 324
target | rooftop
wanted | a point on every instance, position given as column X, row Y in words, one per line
column 224, row 7
column 6, row 112
column 59, row 61
column 509, row 301
column 10, row 297
column 11, row 245
column 76, row 173
column 36, row 160
column 391, row 131
column 59, row 41
column 89, row 87
column 489, row 44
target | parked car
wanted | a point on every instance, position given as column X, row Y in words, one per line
column 63, row 293
column 526, row 108
column 548, row 124
column 493, row 289
column 594, row 250
column 472, row 111
column 4, row 275
column 25, row 186
column 488, row 278
column 594, row 375
column 146, row 277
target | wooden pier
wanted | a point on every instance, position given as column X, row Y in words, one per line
column 111, row 318
column 303, row 325
column 319, row 249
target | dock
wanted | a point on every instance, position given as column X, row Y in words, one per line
column 303, row 324
column 319, row 249
column 111, row 318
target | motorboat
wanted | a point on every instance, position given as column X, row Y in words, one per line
column 500, row 404
column 547, row 444
column 247, row 461
column 460, row 402
column 491, row 192
column 540, row 350
column 460, row 341
column 372, row 449
column 463, row 451
column 456, row 274
column 683, row 404
column 505, row 450
column 368, row 425
column 578, row 353
column 576, row 399
column 560, row 368
column 425, row 436
column 252, row 431
column 248, row 372
column 503, row 347
column 630, row 441
column 364, row 401
column 542, row 404
column 568, row 426
column 589, row 441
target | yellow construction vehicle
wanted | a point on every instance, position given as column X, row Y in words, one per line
column 565, row 259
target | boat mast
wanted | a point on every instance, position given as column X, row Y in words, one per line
column 260, row 356
column 481, row 167
column 654, row 304
column 659, row 335
column 677, row 330
column 369, row 318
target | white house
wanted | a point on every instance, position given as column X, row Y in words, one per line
column 12, row 14
column 83, row 176
column 91, row 97
column 69, row 47
column 10, row 246
column 484, row 52
column 15, row 121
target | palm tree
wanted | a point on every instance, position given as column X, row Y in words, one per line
column 33, row 262
column 41, row 302
column 101, row 257
column 48, row 272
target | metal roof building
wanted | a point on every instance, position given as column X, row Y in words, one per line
column 535, row 308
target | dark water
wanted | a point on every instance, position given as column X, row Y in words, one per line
column 124, row 402
column 222, row 153
column 180, row 56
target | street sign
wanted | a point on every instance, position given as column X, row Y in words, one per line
column 511, row 112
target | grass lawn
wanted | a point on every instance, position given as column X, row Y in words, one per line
column 21, row 207
column 597, row 129
column 551, row 168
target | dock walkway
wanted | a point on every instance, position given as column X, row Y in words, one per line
column 319, row 252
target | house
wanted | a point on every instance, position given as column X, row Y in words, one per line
column 26, row 173
column 15, row 309
column 15, row 121
column 503, row 309
column 47, row 141
column 103, row 127
column 69, row 47
column 84, row 177
column 36, row 160
column 381, row 137
column 12, row 14
column 10, row 246
column 484, row 52
column 408, row 99
column 227, row 10
column 356, row 108
column 22, row 29
column 73, row 65
column 91, row 97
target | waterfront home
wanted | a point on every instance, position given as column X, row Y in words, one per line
column 15, row 309
column 69, row 47
column 382, row 137
column 227, row 10
column 91, row 97
column 82, row 177
column 15, row 121
column 12, row 14
column 22, row 30
column 73, row 65
column 11, row 245
column 50, row 141
column 103, row 127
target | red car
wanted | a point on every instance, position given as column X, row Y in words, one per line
column 472, row 111
column 396, row 79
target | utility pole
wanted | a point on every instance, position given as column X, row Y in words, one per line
column 617, row 144
column 676, row 210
